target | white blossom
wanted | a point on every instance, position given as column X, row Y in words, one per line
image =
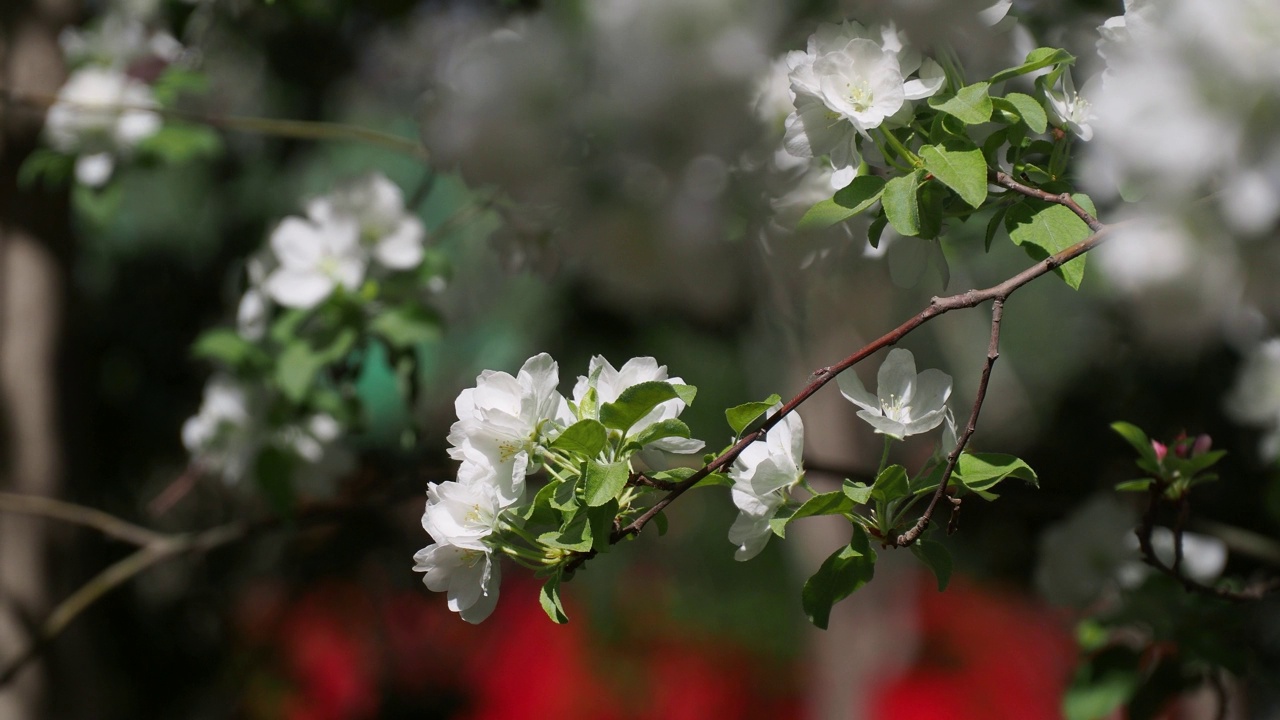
column 609, row 384
column 223, row 436
column 502, row 420
column 100, row 113
column 471, row 577
column 1074, row 109
column 376, row 204
column 1255, row 397
column 905, row 403
column 761, row 476
column 315, row 258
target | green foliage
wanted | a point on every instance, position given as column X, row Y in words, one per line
column 960, row 168
column 1043, row 229
column 585, row 438
column 47, row 165
column 937, row 558
column 603, row 482
column 549, row 598
column 840, row 575
column 179, row 142
column 1037, row 59
column 855, row 198
column 741, row 416
column 971, row 104
column 902, row 203
column 405, row 326
column 637, row 401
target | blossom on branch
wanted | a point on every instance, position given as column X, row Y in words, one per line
column 1073, row 109
column 762, row 475
column 376, row 205
column 315, row 258
column 609, row 384
column 905, row 403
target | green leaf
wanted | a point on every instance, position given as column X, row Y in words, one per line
column 406, row 326
column 1104, row 683
column 45, row 164
column 901, row 204
column 831, row 503
column 876, row 230
column 846, row 570
column 743, row 415
column 603, row 483
column 686, row 393
column 296, row 369
column 1039, row 58
column 634, row 403
column 858, row 492
column 540, row 512
column 669, row 428
column 601, row 520
column 1139, row 485
column 549, row 598
column 574, row 535
column 585, row 437
column 226, row 346
column 983, row 471
column 1139, row 441
column 273, row 471
column 851, row 200
column 993, row 225
column 1027, row 108
column 661, row 521
column 890, row 484
column 937, row 558
column 971, row 104
column 1048, row 230
column 179, row 142
column 964, row 171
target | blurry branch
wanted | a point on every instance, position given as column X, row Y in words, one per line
column 107, row 524
column 1239, row 540
column 157, row 549
column 993, row 352
column 1148, row 526
column 937, row 306
column 295, row 129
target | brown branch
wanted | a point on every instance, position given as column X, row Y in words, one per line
column 107, row 524
column 1005, row 180
column 993, row 352
column 1144, row 532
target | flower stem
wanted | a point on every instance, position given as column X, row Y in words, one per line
column 901, row 149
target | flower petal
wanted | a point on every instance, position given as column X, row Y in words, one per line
column 896, row 379
column 853, row 390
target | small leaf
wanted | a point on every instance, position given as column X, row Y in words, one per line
column 856, row 198
column 1104, row 683
column 549, row 598
column 1048, row 230
column 634, row 403
column 937, row 558
column 993, row 225
column 1139, row 441
column 1029, row 109
column 876, row 230
column 1139, row 485
column 574, row 535
column 406, row 326
column 225, row 346
column 743, row 415
column 601, row 520
column 585, row 437
column 962, row 170
column 901, row 204
column 1039, row 58
column 982, row 471
column 661, row 521
column 669, row 428
column 831, row 503
column 296, row 370
column 603, row 483
column 858, row 492
column 686, row 392
column 846, row 570
column 971, row 104
column 890, row 484
column 179, row 142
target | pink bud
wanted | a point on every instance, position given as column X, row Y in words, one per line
column 1202, row 445
column 1160, row 449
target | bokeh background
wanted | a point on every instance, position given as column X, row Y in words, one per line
column 622, row 154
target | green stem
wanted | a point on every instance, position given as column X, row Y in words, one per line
column 901, row 149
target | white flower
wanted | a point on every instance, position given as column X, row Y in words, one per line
column 100, row 113
column 1074, row 109
column 906, row 403
column 461, row 514
column 995, row 12
column 1255, row 399
column 377, row 206
column 500, row 423
column 610, row 383
column 761, row 476
column 223, row 436
column 254, row 309
column 315, row 257
column 848, row 82
column 470, row 576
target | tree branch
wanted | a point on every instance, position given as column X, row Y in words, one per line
column 1005, row 180
column 107, row 524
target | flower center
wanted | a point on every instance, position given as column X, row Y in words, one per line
column 894, row 409
column 860, row 96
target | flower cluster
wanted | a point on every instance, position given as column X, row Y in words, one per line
column 508, row 428
column 849, row 81
column 107, row 107
column 333, row 245
column 763, row 476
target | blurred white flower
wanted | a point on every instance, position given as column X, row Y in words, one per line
column 906, row 403
column 100, row 114
column 377, row 206
column 1255, row 397
column 500, row 423
column 995, row 13
column 1073, row 109
column 1204, row 557
column 254, row 310
column 761, row 476
column 118, row 40
column 223, row 437
column 315, row 258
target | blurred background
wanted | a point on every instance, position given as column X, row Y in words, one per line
column 604, row 178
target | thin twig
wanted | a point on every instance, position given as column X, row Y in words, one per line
column 296, row 129
column 1064, row 199
column 107, row 524
column 993, row 353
